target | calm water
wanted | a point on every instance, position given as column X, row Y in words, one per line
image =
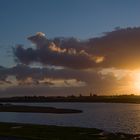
column 107, row 116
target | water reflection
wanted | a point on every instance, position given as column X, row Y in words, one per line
column 111, row 117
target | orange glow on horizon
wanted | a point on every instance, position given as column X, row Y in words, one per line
column 136, row 81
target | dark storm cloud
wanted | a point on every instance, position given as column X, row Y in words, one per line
column 119, row 48
column 64, row 53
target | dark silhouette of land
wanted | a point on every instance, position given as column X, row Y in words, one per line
column 91, row 98
column 35, row 109
column 15, row 131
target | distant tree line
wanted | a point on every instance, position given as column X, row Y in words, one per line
column 90, row 98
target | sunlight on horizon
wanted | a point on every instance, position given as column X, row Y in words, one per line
column 136, row 81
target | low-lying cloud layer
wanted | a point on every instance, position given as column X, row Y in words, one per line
column 47, row 81
column 48, row 76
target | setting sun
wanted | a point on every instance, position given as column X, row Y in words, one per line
column 137, row 81
column 70, row 69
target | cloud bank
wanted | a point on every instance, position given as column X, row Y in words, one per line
column 103, row 65
column 119, row 48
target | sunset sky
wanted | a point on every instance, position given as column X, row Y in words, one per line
column 65, row 47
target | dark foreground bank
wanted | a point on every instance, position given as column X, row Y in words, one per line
column 13, row 131
column 35, row 109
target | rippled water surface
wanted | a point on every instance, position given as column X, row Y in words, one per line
column 107, row 116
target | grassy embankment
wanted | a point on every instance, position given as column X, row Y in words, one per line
column 43, row 132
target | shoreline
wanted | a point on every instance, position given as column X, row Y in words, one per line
column 36, row 109
column 21, row 131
